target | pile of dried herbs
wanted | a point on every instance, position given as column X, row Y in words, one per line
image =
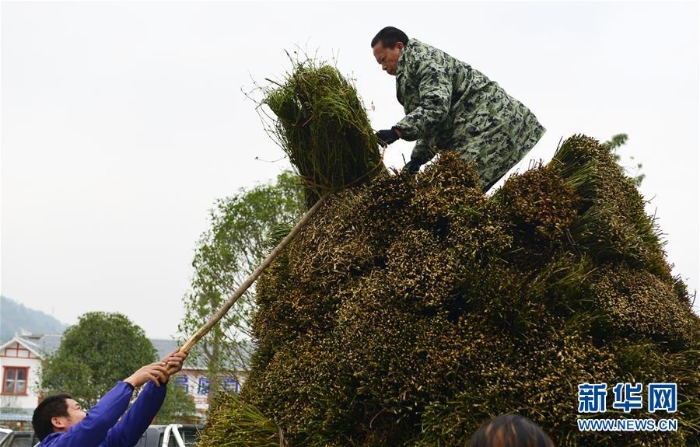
column 414, row 308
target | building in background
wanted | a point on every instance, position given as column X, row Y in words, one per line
column 193, row 377
column 20, row 366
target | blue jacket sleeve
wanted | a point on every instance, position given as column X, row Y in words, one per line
column 92, row 430
column 129, row 429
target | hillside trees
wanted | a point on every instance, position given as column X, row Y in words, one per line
column 102, row 349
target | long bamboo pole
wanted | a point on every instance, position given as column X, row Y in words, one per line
column 202, row 331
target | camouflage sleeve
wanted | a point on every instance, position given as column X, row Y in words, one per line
column 422, row 152
column 435, row 91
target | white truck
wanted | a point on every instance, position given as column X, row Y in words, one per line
column 173, row 435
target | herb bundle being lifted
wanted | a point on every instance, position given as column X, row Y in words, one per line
column 323, row 127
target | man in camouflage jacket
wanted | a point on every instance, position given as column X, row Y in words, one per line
column 451, row 106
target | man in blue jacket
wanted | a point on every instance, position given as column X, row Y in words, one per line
column 60, row 422
column 451, row 106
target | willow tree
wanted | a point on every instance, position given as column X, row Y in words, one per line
column 615, row 143
column 238, row 238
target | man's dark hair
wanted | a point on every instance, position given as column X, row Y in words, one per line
column 51, row 407
column 389, row 36
column 510, row 430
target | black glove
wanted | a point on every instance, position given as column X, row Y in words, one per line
column 387, row 136
column 411, row 167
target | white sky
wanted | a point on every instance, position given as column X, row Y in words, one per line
column 122, row 122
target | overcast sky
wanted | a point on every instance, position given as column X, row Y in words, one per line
column 123, row 122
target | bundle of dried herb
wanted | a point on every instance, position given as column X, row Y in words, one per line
column 323, row 128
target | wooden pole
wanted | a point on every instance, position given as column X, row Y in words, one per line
column 202, row 331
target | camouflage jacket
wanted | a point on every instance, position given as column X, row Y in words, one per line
column 449, row 105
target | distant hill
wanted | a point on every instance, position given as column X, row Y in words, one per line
column 15, row 317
